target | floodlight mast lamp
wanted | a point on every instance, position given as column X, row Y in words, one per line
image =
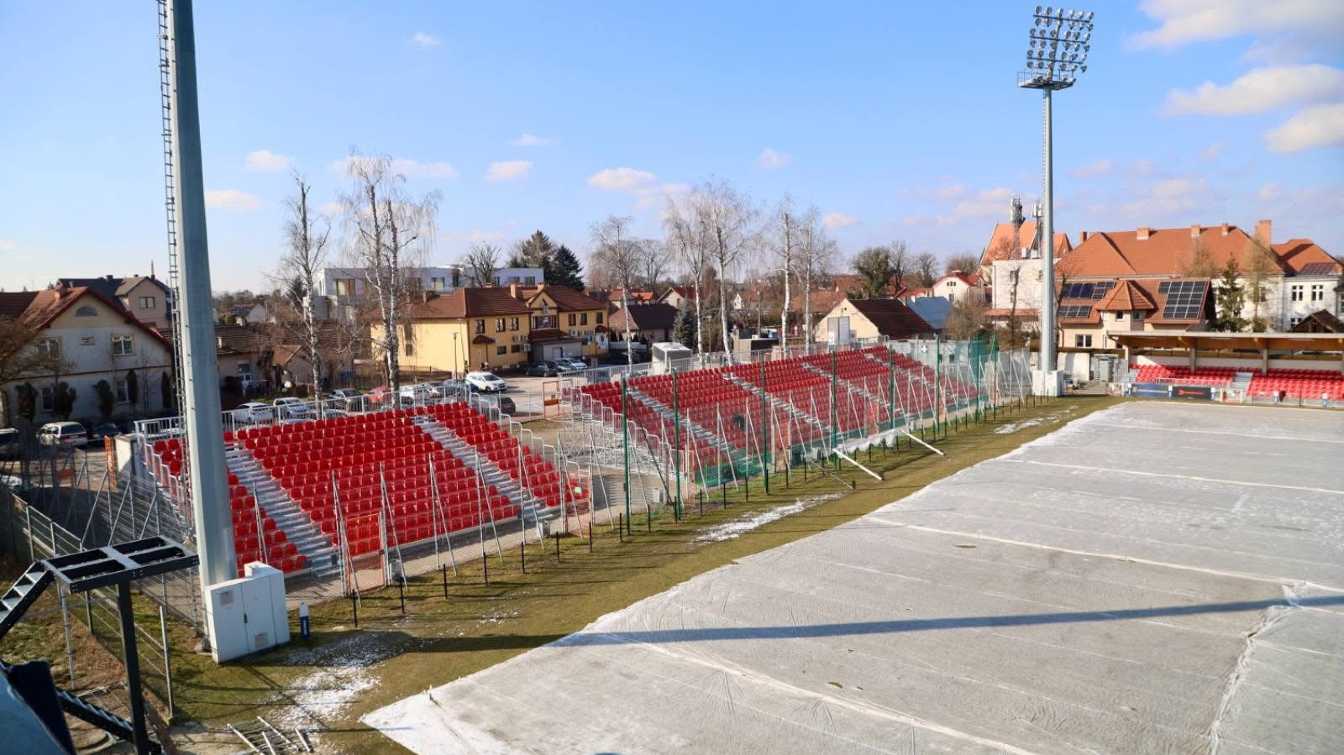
column 1056, row 53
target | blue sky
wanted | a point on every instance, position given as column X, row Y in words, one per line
column 897, row 122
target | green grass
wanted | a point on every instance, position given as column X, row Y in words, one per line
column 479, row 625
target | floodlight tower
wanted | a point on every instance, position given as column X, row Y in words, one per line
column 1056, row 54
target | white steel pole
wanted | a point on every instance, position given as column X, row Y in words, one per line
column 196, row 321
column 1048, row 243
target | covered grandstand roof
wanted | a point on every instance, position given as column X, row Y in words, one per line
column 1212, row 341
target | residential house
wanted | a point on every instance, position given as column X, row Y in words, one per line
column 565, row 322
column 96, row 339
column 677, row 296
column 649, row 323
column 1089, row 312
column 1299, row 277
column 463, row 330
column 147, row 298
column 245, row 355
column 870, row 319
column 521, row 276
column 1011, row 266
column 614, row 297
column 958, row 287
column 337, row 348
column 341, row 291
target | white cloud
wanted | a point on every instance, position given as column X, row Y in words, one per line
column 949, row 192
column 771, row 159
column 1212, row 152
column 402, row 166
column 1269, row 192
column 1259, row 90
column 424, row 39
column 983, row 204
column 231, row 199
column 1170, row 199
column 531, row 140
column 658, row 196
column 837, row 220
column 1181, row 22
column 1317, row 126
column 1093, row 169
column 621, row 179
column 266, row 161
column 8, row 245
column 507, row 170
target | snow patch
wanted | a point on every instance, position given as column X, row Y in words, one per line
column 1013, row 427
column 343, row 674
column 738, row 527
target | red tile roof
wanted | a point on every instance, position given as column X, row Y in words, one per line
column 1155, row 251
column 46, row 305
column 1005, row 244
column 469, row 302
column 1127, row 297
column 567, row 299
column 1305, row 257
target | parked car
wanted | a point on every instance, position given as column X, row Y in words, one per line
column 486, row 382
column 101, row 431
column 10, row 442
column 453, row 388
column 573, row 364
column 341, row 397
column 66, row 434
column 254, row 411
column 544, row 368
column 292, row 408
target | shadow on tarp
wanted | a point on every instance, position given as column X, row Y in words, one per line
column 924, row 625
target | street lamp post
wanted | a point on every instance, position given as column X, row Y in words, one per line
column 1056, row 54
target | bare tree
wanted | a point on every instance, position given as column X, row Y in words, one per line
column 1258, row 267
column 653, row 263
column 306, row 235
column 482, row 262
column 725, row 217
column 622, row 256
column 785, row 243
column 874, row 266
column 22, row 356
column 965, row 263
column 926, row 268
column 900, row 262
column 816, row 252
column 686, row 242
column 389, row 233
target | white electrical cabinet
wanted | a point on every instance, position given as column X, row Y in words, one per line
column 247, row 615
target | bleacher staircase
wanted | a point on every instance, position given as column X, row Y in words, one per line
column 777, row 402
column 856, row 387
column 533, row 509
column 709, row 437
column 289, row 517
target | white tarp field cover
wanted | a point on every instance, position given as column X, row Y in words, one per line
column 1155, row 577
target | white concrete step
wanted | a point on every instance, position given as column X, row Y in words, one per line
column 298, row 527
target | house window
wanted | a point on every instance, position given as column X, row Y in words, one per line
column 573, row 319
column 1082, row 341
column 501, row 350
column 86, row 312
column 148, row 302
column 1318, row 292
column 1295, row 293
column 513, row 324
column 345, row 286
column 408, row 339
column 88, row 340
column 436, row 283
column 480, row 327
column 500, row 325
column 122, row 396
column 583, row 318
column 50, row 347
column 48, row 400
column 517, row 348
column 1119, row 316
column 599, row 318
column 531, row 280
column 122, row 346
column 1294, row 320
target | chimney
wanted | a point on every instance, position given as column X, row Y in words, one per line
column 1082, row 236
column 1262, row 231
column 1226, row 229
column 1144, row 233
column 1194, row 231
column 513, row 290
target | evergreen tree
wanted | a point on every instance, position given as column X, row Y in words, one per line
column 534, row 251
column 683, row 328
column 564, row 269
column 1230, row 298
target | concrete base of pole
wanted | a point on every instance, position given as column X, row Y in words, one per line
column 1047, row 383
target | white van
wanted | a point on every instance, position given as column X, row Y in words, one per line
column 68, row 434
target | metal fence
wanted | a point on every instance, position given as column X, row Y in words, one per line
column 30, row 534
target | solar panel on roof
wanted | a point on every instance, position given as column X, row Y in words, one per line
column 1185, row 299
column 1075, row 311
column 1318, row 268
column 1099, row 291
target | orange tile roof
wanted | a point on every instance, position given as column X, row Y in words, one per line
column 1164, row 251
column 1005, row 244
column 1127, row 297
column 1305, row 257
column 469, row 302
